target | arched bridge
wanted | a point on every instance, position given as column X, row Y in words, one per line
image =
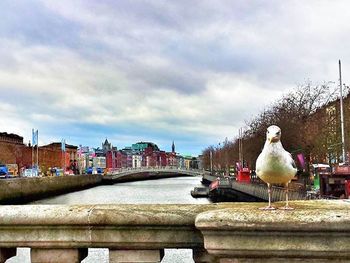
column 151, row 172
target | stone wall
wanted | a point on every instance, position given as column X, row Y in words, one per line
column 22, row 190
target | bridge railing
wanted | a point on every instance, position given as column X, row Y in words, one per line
column 316, row 231
column 152, row 168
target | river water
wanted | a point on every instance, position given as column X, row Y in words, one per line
column 161, row 191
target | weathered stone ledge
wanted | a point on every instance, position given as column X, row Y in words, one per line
column 316, row 231
column 104, row 215
column 313, row 232
column 314, row 216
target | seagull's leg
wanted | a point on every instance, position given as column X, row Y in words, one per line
column 269, row 191
column 269, row 207
column 287, row 207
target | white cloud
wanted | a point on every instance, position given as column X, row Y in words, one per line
column 164, row 69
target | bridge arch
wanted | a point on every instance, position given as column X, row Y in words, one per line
column 144, row 173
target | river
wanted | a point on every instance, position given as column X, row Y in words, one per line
column 161, row 191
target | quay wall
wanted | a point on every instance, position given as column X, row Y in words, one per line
column 23, row 190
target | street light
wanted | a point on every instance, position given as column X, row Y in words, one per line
column 211, row 161
column 342, row 114
column 240, row 146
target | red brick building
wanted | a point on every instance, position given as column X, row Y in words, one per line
column 51, row 155
column 116, row 159
column 14, row 151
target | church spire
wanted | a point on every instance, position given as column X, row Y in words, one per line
column 173, row 147
column 106, row 146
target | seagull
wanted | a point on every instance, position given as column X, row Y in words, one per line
column 275, row 165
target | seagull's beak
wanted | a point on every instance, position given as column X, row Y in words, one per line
column 273, row 139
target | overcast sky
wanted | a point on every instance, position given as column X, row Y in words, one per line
column 188, row 71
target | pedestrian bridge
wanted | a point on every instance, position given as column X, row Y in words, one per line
column 158, row 171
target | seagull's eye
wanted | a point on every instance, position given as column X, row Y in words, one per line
column 267, row 131
column 278, row 133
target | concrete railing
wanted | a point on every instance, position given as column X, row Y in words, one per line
column 316, row 231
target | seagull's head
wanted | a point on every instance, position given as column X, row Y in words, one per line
column 273, row 134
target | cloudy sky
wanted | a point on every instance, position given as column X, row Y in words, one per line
column 189, row 71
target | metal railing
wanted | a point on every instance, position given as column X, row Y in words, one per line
column 260, row 191
column 116, row 171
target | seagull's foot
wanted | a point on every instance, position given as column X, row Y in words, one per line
column 269, row 207
column 287, row 207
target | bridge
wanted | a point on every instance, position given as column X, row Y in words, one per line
column 316, row 231
column 152, row 172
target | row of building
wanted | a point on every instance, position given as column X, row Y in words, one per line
column 140, row 154
column 80, row 160
column 13, row 151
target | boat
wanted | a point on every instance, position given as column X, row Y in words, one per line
column 200, row 192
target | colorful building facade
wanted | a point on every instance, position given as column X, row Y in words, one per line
column 141, row 154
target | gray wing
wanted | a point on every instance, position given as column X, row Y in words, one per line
column 292, row 162
column 258, row 163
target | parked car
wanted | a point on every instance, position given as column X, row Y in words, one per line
column 3, row 171
column 12, row 170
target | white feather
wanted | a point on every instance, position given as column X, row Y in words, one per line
column 275, row 165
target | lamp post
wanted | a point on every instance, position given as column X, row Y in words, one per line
column 211, row 161
column 240, row 146
column 342, row 115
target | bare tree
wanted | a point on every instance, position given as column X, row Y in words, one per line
column 292, row 114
